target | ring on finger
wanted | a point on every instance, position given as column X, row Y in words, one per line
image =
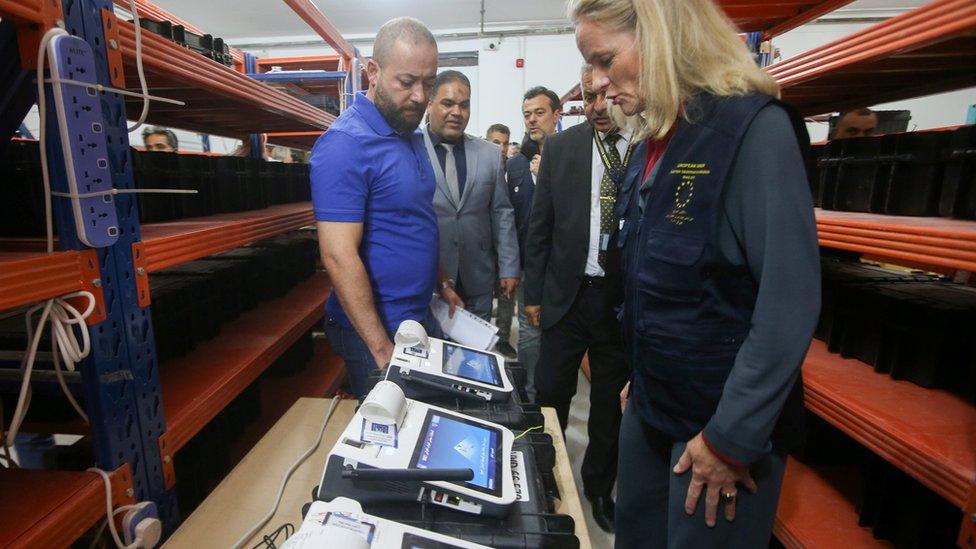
column 727, row 497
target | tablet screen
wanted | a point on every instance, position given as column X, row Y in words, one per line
column 451, row 442
column 471, row 364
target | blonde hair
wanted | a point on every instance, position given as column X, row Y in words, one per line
column 684, row 47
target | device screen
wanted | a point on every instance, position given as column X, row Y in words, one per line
column 450, row 442
column 413, row 541
column 471, row 364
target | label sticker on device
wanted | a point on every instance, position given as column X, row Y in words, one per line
column 379, row 433
column 518, row 477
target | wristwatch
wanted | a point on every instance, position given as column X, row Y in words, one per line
column 449, row 283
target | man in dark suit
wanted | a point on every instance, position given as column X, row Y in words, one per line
column 572, row 285
column 540, row 109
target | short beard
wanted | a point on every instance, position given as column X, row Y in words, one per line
column 395, row 116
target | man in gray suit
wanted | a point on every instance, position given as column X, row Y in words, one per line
column 478, row 243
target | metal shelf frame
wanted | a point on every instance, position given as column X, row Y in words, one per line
column 129, row 406
column 928, row 50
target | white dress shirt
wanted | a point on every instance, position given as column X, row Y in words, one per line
column 596, row 177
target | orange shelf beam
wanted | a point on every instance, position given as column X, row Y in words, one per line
column 774, row 18
column 28, row 277
column 927, row 50
column 816, row 509
column 948, row 243
column 40, row 12
column 166, row 244
column 197, row 386
column 323, row 27
column 40, row 508
column 307, row 62
column 924, row 432
column 219, row 100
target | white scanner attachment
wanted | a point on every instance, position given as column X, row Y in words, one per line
column 341, row 524
column 431, row 453
column 430, row 367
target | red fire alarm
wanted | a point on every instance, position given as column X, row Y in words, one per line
column 519, row 63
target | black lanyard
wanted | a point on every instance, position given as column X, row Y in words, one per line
column 615, row 173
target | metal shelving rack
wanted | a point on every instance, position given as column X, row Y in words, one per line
column 926, row 433
column 141, row 413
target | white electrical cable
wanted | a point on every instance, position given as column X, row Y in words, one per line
column 62, row 316
column 139, row 69
column 284, row 479
column 111, row 514
column 98, row 533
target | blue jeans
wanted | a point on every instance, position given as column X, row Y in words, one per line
column 354, row 352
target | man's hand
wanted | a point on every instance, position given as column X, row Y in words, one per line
column 623, row 397
column 453, row 300
column 382, row 354
column 534, row 165
column 508, row 286
column 534, row 314
column 712, row 475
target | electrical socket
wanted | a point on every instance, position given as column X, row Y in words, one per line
column 140, row 512
column 83, row 143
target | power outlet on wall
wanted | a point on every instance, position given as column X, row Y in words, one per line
column 83, row 141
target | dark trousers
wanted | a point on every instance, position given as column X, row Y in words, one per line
column 650, row 510
column 590, row 326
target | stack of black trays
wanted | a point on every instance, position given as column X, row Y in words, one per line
column 959, row 181
column 896, row 507
column 929, row 173
column 191, row 301
column 914, row 327
column 206, row 45
column 21, row 190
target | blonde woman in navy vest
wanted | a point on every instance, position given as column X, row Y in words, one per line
column 721, row 273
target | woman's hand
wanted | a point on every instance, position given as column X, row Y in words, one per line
column 713, row 476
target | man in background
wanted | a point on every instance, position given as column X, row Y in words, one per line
column 499, row 134
column 514, row 148
column 372, row 195
column 540, row 110
column 160, row 139
column 478, row 246
column 573, row 285
column 855, row 123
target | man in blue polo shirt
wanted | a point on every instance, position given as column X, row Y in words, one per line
column 372, row 192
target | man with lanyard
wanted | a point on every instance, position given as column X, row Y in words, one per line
column 372, row 194
column 572, row 284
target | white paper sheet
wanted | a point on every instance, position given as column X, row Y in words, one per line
column 465, row 328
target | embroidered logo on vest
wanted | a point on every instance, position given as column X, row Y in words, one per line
column 684, row 193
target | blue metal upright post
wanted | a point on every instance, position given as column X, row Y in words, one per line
column 121, row 376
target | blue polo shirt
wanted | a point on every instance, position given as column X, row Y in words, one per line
column 363, row 171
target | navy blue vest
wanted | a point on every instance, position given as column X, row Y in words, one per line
column 687, row 309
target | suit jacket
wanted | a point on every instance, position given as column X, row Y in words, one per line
column 478, row 244
column 558, row 238
column 521, row 188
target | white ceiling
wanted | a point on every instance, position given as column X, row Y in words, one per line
column 235, row 20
